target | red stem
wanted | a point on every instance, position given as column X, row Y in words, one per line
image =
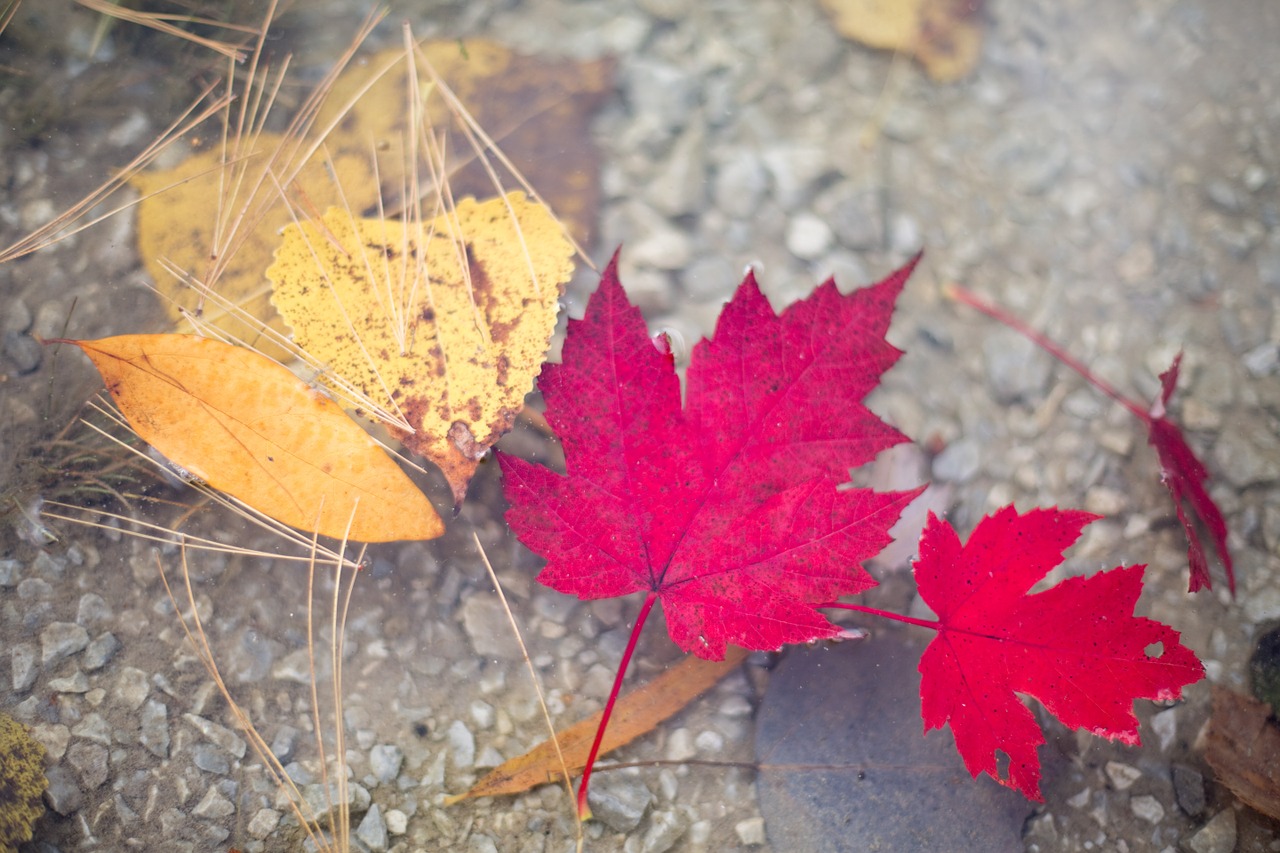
column 974, row 301
column 583, row 811
column 923, row 623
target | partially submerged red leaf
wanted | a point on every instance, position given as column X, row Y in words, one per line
column 728, row 510
column 1076, row 647
column 1182, row 473
column 1185, row 476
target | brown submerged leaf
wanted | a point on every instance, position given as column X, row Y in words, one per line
column 637, row 713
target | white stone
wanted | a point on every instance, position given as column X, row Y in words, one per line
column 1148, row 808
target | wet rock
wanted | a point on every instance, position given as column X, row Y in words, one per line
column 210, row 759
column 1165, row 725
column 1189, row 790
column 462, row 744
column 1264, row 669
column 93, row 727
column 958, row 462
column 263, row 822
column 320, row 800
column 9, row 572
column 1016, row 368
column 213, row 806
column 1122, row 776
column 384, row 762
column 285, row 741
column 665, row 829
column 154, row 731
column 808, row 237
column 63, row 794
column 61, row 640
column 619, row 803
column 99, row 652
column 485, row 623
column 1147, row 808
column 372, row 831
column 740, row 184
column 750, row 831
column 680, row 186
column 22, row 351
column 22, row 666
column 1216, row 836
column 77, row 682
column 90, row 761
column 132, row 687
column 219, row 735
column 93, row 610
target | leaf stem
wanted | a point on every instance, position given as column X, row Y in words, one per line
column 960, row 294
column 584, row 812
column 923, row 623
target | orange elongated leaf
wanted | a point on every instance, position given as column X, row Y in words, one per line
column 636, row 714
column 248, row 427
column 447, row 321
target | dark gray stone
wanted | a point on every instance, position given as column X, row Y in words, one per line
column 854, row 708
column 1188, row 789
column 99, row 652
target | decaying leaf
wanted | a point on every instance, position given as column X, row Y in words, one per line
column 447, row 322
column 537, row 111
column 1244, row 749
column 248, row 427
column 944, row 35
column 635, row 714
column 217, row 215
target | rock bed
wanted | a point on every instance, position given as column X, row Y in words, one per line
column 1109, row 173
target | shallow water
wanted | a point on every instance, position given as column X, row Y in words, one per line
column 1108, row 173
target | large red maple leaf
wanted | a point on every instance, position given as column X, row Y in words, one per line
column 1076, row 647
column 727, row 511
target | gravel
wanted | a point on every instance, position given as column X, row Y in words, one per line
column 1108, row 173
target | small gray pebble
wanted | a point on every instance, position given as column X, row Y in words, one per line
column 63, row 794
column 61, row 640
column 9, row 573
column 90, row 761
column 214, row 806
column 22, row 665
column 384, row 761
column 620, row 804
column 92, row 610
column 665, row 829
column 23, row 351
column 284, row 743
column 958, row 462
column 154, row 732
column 101, row 651
column 372, row 831
column 1188, row 789
column 210, row 759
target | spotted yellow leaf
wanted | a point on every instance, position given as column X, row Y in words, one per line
column 446, row 322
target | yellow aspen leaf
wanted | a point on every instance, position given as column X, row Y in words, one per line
column 447, row 321
column 636, row 713
column 248, row 427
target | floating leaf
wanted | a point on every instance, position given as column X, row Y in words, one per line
column 637, row 713
column 448, row 322
column 248, row 427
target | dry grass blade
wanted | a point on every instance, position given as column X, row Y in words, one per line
column 338, row 836
column 60, row 228
column 537, row 685
column 162, row 23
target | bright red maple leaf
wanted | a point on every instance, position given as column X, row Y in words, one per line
column 1076, row 647
column 1181, row 472
column 727, row 511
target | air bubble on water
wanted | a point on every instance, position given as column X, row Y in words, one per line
column 669, row 340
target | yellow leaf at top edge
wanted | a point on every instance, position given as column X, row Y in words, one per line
column 248, row 427
column 447, row 322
